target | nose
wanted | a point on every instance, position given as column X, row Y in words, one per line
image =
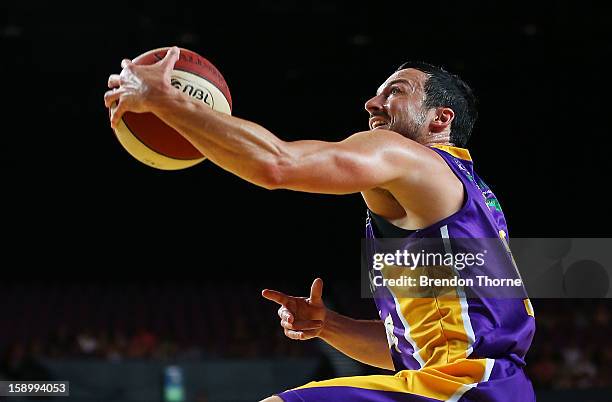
column 374, row 105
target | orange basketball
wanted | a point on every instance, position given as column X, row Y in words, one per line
column 152, row 141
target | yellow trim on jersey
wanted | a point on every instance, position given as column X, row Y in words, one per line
column 433, row 314
column 461, row 153
column 437, row 327
column 437, row 382
column 529, row 307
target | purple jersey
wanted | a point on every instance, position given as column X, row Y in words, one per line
column 426, row 331
column 452, row 349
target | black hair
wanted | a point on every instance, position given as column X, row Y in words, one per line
column 444, row 89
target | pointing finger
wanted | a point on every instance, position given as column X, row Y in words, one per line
column 275, row 296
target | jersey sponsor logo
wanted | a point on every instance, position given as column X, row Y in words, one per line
column 493, row 203
column 464, row 170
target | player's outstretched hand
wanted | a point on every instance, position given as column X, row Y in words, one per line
column 138, row 86
column 301, row 317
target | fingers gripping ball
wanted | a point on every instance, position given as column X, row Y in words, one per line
column 152, row 141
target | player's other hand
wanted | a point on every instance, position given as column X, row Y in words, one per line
column 301, row 317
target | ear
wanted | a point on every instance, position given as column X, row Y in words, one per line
column 442, row 119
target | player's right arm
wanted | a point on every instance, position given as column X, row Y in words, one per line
column 379, row 159
column 362, row 340
column 305, row 318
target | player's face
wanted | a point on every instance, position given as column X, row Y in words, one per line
column 398, row 104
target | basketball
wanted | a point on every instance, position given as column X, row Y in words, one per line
column 151, row 141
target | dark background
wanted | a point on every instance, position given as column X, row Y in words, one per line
column 77, row 210
column 302, row 70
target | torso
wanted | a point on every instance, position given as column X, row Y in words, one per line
column 433, row 330
column 384, row 204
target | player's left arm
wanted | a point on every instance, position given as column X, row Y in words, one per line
column 362, row 161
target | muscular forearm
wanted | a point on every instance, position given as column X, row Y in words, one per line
column 362, row 340
column 239, row 146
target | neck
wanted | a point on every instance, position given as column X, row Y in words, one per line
column 435, row 139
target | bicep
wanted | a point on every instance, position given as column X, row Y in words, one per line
column 361, row 162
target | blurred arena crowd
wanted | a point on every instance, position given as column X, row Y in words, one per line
column 195, row 322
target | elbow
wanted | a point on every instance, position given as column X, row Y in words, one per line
column 277, row 168
column 273, row 175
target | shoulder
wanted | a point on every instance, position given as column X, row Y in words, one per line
column 392, row 145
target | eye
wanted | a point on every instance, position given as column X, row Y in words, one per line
column 394, row 90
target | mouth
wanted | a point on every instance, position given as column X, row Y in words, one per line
column 378, row 123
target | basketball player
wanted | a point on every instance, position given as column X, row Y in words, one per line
column 417, row 180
